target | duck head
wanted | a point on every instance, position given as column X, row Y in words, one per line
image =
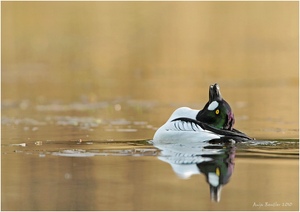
column 217, row 112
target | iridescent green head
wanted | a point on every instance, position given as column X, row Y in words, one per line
column 217, row 112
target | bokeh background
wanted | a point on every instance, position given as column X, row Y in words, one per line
column 66, row 45
column 84, row 74
column 169, row 52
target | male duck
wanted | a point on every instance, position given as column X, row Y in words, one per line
column 214, row 121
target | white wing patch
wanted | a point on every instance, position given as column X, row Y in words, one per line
column 213, row 105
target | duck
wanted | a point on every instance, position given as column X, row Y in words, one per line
column 214, row 122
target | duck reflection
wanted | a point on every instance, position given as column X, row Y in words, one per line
column 214, row 159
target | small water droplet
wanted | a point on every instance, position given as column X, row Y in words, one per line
column 68, row 176
column 34, row 128
column 21, row 144
column 26, row 128
column 38, row 143
column 42, row 155
column 118, row 107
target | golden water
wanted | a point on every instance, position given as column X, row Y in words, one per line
column 98, row 78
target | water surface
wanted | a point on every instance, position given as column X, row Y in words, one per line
column 91, row 175
column 62, row 162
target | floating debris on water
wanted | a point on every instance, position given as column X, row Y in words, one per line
column 262, row 143
column 74, row 153
column 38, row 143
column 110, row 147
column 126, row 130
column 107, row 152
column 21, row 144
column 42, row 155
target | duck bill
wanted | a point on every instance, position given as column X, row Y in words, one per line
column 215, row 193
column 214, row 93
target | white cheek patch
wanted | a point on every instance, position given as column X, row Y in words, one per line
column 213, row 179
column 213, row 105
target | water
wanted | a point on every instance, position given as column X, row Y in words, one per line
column 62, row 162
column 84, row 91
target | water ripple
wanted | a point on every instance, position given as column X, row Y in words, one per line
column 80, row 148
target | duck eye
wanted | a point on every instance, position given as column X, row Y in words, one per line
column 218, row 171
column 217, row 111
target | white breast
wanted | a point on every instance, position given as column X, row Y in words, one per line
column 181, row 131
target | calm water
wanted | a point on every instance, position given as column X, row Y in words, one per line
column 64, row 158
column 83, row 92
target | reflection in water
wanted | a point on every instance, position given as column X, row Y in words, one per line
column 214, row 160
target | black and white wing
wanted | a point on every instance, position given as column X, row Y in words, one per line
column 185, row 124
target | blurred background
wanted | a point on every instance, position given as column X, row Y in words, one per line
column 64, row 45
column 169, row 52
column 81, row 75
